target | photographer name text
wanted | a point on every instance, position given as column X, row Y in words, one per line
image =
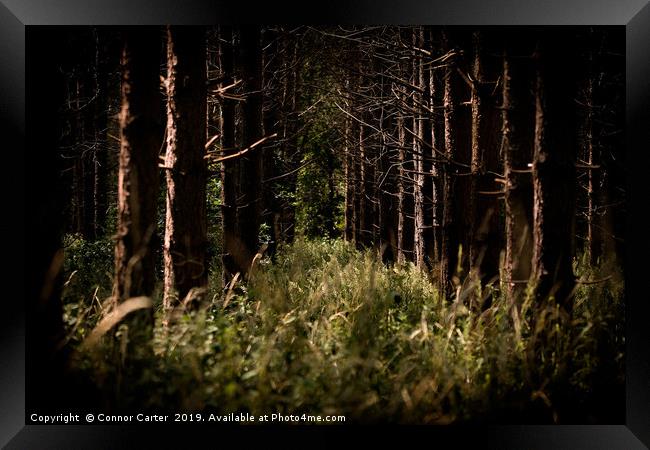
column 182, row 417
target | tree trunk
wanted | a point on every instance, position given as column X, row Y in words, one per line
column 418, row 155
column 594, row 245
column 349, row 177
column 138, row 176
column 449, row 232
column 229, row 168
column 290, row 151
column 518, row 136
column 249, row 209
column 554, row 169
column 484, row 239
column 401, row 219
column 186, row 220
column 100, row 154
column 45, row 199
column 434, row 139
column 271, row 210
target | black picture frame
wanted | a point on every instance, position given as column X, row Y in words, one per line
column 634, row 15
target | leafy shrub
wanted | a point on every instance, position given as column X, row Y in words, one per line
column 88, row 265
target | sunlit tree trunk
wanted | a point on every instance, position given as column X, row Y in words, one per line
column 418, row 154
column 518, row 135
column 186, row 221
column 401, row 151
column 434, row 139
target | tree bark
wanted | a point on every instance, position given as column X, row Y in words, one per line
column 100, row 154
column 401, row 219
column 554, row 169
column 349, row 178
column 484, row 240
column 138, row 176
column 434, row 139
column 271, row 208
column 594, row 247
column 418, row 154
column 249, row 209
column 185, row 245
column 362, row 226
column 518, row 137
column 229, row 168
column 449, row 232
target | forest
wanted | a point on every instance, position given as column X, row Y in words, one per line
column 404, row 224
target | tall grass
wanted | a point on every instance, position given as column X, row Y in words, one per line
column 328, row 329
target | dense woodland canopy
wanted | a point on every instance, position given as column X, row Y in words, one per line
column 488, row 160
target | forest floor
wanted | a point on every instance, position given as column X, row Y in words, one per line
column 328, row 329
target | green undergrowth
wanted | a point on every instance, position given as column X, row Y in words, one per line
column 329, row 329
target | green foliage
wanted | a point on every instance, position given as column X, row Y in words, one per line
column 327, row 329
column 88, row 266
column 318, row 189
column 88, row 269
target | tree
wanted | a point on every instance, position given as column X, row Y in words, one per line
column 185, row 165
column 230, row 167
column 518, row 136
column 138, row 175
column 418, row 150
column 243, row 125
column 46, row 197
column 554, row 171
column 251, row 164
column 100, row 127
column 350, row 175
column 484, row 239
column 401, row 189
column 449, row 232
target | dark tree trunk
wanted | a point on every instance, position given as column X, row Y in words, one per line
column 249, row 208
column 594, row 237
column 385, row 180
column 595, row 240
column 80, row 175
column 554, row 169
column 230, row 167
column 138, row 176
column 362, row 224
column 484, row 239
column 450, row 229
column 100, row 153
column 46, row 197
column 271, row 210
column 349, row 168
column 291, row 152
column 88, row 148
column 185, row 166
